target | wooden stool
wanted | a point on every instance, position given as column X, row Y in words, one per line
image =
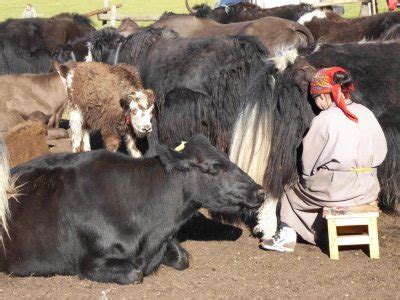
column 350, row 219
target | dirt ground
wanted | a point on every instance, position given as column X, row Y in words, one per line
column 226, row 262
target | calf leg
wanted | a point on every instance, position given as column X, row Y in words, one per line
column 76, row 123
column 175, row 256
column 103, row 269
column 86, row 140
column 131, row 145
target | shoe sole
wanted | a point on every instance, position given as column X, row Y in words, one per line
column 279, row 249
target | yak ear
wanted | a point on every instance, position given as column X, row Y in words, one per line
column 124, row 102
column 56, row 65
column 172, row 159
column 59, row 68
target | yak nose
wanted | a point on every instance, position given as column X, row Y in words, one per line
column 261, row 194
column 147, row 128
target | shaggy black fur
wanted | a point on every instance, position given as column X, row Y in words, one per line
column 374, row 70
column 393, row 33
column 202, row 85
column 192, row 78
column 26, row 45
column 111, row 218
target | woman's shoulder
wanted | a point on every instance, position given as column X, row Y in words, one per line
column 361, row 109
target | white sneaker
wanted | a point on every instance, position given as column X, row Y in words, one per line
column 283, row 241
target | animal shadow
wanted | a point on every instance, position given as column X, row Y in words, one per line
column 200, row 228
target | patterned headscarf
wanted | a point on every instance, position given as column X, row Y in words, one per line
column 323, row 84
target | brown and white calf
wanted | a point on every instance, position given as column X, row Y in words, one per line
column 110, row 99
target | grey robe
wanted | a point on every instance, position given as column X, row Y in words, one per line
column 340, row 160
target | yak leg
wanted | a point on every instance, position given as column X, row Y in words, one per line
column 175, row 256
column 111, row 141
column 267, row 219
column 76, row 124
column 131, row 145
column 86, row 140
column 109, row 269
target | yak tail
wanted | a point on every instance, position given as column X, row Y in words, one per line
column 251, row 137
column 251, row 142
column 7, row 188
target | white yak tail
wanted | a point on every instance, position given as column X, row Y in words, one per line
column 7, row 188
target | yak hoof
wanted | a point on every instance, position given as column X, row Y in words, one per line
column 176, row 257
column 135, row 276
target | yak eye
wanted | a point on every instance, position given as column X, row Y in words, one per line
column 215, row 169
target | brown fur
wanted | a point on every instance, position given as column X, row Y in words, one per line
column 25, row 142
column 97, row 90
column 274, row 33
column 335, row 29
column 27, row 94
column 127, row 27
column 101, row 92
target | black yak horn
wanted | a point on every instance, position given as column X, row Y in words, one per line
column 191, row 10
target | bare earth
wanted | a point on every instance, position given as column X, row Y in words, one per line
column 226, row 262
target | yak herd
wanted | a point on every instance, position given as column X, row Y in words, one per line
column 233, row 82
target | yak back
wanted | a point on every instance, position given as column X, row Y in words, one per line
column 335, row 29
column 26, row 45
column 243, row 11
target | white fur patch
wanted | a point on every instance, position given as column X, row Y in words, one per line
column 363, row 41
column 86, row 141
column 89, row 57
column 76, row 124
column 317, row 48
column 251, row 143
column 141, row 118
column 309, row 16
column 284, row 58
column 73, row 56
column 267, row 219
column 70, row 78
column 131, row 145
column 8, row 189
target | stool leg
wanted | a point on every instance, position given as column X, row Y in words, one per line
column 333, row 244
column 373, row 237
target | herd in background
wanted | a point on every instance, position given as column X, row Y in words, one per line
column 238, row 75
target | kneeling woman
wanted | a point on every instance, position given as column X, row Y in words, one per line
column 341, row 153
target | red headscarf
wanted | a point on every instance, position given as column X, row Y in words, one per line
column 323, row 84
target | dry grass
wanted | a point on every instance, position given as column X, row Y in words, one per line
column 47, row 8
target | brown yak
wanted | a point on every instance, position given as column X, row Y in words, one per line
column 24, row 94
column 274, row 33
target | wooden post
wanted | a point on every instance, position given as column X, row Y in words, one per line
column 113, row 16
column 333, row 244
column 373, row 237
column 105, row 5
column 374, row 7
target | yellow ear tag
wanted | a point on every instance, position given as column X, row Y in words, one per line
column 181, row 147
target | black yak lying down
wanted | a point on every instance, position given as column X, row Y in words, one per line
column 111, row 218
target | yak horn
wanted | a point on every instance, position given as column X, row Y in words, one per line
column 191, row 10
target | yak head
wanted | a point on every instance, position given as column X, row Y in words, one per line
column 212, row 180
column 139, row 111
